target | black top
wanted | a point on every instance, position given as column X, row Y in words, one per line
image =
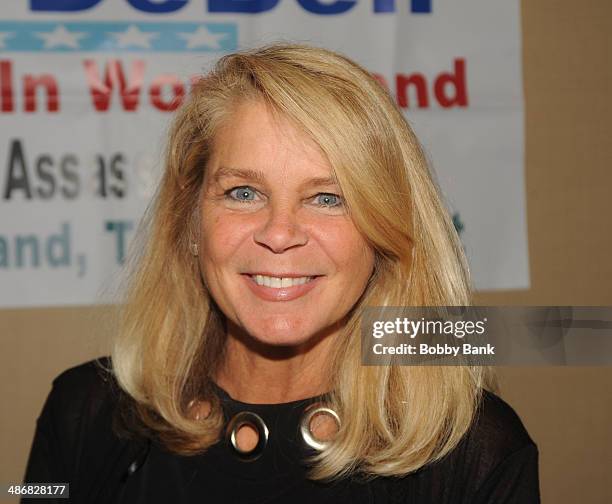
column 496, row 461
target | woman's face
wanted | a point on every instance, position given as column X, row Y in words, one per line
column 278, row 251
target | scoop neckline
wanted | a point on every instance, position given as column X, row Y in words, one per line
column 224, row 395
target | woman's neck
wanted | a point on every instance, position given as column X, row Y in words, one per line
column 255, row 373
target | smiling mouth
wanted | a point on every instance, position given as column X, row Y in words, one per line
column 281, row 282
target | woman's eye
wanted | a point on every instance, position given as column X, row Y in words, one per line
column 242, row 193
column 328, row 200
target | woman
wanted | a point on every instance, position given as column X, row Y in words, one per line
column 294, row 195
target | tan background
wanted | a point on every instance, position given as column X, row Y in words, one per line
column 568, row 411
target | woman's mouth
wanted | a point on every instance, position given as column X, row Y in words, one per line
column 279, row 282
column 281, row 288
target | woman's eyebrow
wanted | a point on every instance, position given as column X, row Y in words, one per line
column 245, row 173
column 258, row 176
column 319, row 182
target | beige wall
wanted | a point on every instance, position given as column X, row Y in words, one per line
column 568, row 411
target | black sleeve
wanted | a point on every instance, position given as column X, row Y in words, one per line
column 514, row 480
column 56, row 447
column 48, row 461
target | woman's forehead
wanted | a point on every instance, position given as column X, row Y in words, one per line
column 255, row 123
column 254, row 144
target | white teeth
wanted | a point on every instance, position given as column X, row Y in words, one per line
column 278, row 282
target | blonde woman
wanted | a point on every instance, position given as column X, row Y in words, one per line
column 294, row 195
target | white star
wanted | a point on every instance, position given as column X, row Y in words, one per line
column 202, row 37
column 134, row 37
column 3, row 37
column 61, row 37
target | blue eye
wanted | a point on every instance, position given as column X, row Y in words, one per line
column 328, row 200
column 242, row 193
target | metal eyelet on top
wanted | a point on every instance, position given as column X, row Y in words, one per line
column 256, row 422
column 309, row 414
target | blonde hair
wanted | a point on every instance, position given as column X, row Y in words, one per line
column 396, row 419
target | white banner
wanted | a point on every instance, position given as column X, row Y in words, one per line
column 87, row 90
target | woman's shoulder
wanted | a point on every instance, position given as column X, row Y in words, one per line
column 75, row 438
column 80, row 396
column 497, row 458
column 84, row 388
column 94, row 374
column 495, row 461
column 498, row 428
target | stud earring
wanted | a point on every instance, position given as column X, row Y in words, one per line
column 193, row 247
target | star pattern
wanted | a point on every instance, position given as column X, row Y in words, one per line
column 129, row 36
column 134, row 37
column 61, row 37
column 3, row 37
column 202, row 38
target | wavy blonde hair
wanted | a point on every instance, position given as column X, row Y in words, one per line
column 396, row 419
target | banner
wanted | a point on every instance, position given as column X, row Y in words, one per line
column 88, row 88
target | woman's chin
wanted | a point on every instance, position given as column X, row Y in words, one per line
column 281, row 332
column 276, row 330
column 280, row 337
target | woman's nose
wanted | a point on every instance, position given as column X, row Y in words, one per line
column 280, row 229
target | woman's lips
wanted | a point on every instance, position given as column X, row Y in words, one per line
column 280, row 293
